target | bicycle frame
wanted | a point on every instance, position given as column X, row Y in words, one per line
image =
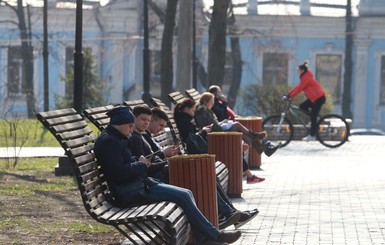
column 293, row 110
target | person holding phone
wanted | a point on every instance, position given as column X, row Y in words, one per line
column 150, row 122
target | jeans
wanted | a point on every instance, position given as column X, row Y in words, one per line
column 224, row 198
column 200, row 226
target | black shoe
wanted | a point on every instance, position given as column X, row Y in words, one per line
column 228, row 236
column 270, row 149
column 229, row 219
column 246, row 216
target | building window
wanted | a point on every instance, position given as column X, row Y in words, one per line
column 382, row 82
column 275, row 68
column 328, row 73
column 16, row 80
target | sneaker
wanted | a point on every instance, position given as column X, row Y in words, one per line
column 309, row 138
column 246, row 216
column 254, row 179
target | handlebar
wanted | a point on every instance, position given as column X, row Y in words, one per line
column 286, row 97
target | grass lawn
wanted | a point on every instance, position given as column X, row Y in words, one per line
column 37, row 207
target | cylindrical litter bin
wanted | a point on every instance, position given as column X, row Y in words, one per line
column 197, row 173
column 227, row 147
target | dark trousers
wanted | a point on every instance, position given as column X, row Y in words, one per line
column 315, row 108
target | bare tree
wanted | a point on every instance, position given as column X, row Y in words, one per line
column 166, row 77
column 346, row 96
column 26, row 53
column 217, row 44
column 237, row 60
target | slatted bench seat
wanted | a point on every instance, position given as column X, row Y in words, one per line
column 157, row 223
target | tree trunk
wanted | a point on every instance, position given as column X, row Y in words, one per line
column 237, row 62
column 166, row 77
column 27, row 54
column 217, row 44
column 237, row 71
column 346, row 96
column 184, row 54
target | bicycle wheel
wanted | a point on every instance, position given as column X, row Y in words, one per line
column 277, row 132
column 333, row 130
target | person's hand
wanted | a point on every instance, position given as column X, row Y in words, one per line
column 171, row 150
column 286, row 97
column 145, row 161
column 208, row 128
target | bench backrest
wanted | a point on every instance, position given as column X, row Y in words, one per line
column 72, row 132
column 176, row 97
column 98, row 116
column 192, row 93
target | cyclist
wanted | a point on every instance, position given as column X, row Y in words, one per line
column 315, row 96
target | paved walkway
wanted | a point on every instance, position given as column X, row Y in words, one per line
column 312, row 194
column 8, row 152
column 316, row 195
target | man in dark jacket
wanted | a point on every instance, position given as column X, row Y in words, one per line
column 128, row 180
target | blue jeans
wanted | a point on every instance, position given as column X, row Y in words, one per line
column 200, row 226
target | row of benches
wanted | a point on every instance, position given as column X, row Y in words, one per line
column 158, row 223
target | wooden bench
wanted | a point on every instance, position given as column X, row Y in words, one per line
column 176, row 97
column 156, row 223
column 193, row 94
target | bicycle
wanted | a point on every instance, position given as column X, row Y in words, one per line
column 333, row 130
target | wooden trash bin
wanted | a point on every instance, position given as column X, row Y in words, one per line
column 196, row 172
column 255, row 124
column 227, row 147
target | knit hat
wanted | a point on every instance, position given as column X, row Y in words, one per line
column 120, row 115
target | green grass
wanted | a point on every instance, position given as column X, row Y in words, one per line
column 15, row 132
column 27, row 183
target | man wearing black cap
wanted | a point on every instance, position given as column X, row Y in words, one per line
column 129, row 185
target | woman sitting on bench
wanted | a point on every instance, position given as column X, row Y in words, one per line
column 205, row 116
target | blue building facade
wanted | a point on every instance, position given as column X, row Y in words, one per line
column 273, row 42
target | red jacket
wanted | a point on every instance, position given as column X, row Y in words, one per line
column 311, row 87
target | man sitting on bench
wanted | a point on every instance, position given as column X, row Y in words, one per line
column 128, row 180
column 150, row 122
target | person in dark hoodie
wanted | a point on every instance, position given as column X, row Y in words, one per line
column 128, row 181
